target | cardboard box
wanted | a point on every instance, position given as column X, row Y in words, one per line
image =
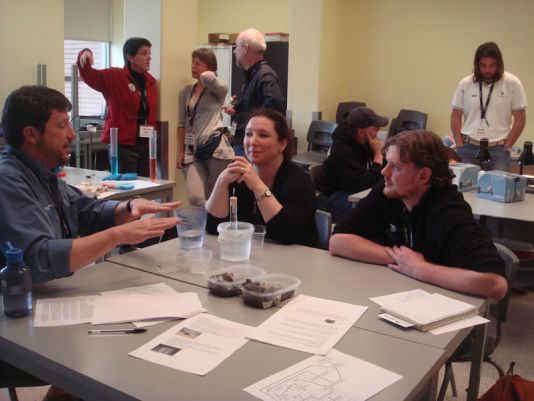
column 222, row 37
column 501, row 186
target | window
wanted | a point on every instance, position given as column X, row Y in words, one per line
column 91, row 102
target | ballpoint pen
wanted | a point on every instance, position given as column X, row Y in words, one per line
column 117, row 331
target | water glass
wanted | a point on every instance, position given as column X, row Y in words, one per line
column 191, row 229
column 258, row 236
column 198, row 260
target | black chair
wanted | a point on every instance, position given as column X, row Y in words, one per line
column 498, row 313
column 407, row 120
column 323, row 221
column 319, row 139
column 344, row 109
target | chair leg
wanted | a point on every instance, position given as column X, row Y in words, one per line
column 495, row 365
column 453, row 384
column 12, row 394
column 445, row 382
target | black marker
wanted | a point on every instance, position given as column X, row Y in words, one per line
column 117, row 331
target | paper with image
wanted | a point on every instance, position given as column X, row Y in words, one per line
column 196, row 345
column 308, row 324
column 336, row 376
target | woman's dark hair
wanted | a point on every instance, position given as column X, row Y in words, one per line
column 207, row 57
column 30, row 106
column 488, row 49
column 423, row 148
column 280, row 126
column 132, row 46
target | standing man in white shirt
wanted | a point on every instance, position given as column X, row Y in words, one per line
column 492, row 103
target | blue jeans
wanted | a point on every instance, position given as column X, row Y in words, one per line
column 336, row 204
column 500, row 157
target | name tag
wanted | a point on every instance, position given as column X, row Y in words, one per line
column 145, row 131
column 189, row 138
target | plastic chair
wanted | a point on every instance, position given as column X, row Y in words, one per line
column 323, row 221
column 498, row 312
column 344, row 109
column 407, row 120
column 319, row 141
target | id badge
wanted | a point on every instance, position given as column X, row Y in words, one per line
column 481, row 132
column 145, row 131
column 189, row 138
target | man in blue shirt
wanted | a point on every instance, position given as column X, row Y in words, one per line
column 59, row 229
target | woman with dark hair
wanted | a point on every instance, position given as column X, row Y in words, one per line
column 131, row 99
column 270, row 189
column 204, row 151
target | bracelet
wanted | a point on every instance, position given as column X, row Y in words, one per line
column 129, row 204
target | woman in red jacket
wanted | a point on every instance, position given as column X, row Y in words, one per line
column 130, row 94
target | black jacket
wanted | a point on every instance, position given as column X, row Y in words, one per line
column 295, row 223
column 261, row 89
column 441, row 227
column 349, row 167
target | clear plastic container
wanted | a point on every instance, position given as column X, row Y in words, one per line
column 235, row 240
column 270, row 290
column 227, row 282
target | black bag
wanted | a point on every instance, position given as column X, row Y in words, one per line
column 205, row 151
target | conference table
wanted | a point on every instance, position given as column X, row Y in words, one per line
column 522, row 210
column 323, row 276
column 99, row 368
column 159, row 189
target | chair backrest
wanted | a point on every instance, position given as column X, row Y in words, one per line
column 323, row 221
column 320, row 135
column 511, row 264
column 407, row 120
column 344, row 109
column 315, row 170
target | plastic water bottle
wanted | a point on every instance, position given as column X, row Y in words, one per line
column 16, row 283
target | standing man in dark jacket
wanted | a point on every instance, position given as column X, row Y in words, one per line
column 261, row 88
column 354, row 162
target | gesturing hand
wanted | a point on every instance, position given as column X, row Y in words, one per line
column 86, row 56
column 140, row 230
column 142, row 206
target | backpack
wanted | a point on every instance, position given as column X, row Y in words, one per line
column 510, row 387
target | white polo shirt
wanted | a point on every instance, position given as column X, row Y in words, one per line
column 507, row 96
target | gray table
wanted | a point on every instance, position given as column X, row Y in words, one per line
column 98, row 367
column 163, row 191
column 523, row 210
column 329, row 277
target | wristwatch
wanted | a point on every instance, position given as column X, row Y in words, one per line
column 266, row 194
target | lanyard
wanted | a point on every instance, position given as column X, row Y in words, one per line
column 484, row 109
column 191, row 113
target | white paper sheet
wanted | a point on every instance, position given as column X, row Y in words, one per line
column 400, row 297
column 196, row 345
column 130, row 307
column 336, row 376
column 308, row 324
column 63, row 311
column 460, row 324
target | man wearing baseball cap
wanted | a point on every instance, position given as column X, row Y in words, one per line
column 354, row 162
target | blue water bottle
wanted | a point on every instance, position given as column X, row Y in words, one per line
column 16, row 283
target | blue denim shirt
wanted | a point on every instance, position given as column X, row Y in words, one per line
column 30, row 220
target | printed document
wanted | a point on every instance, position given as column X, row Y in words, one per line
column 336, row 376
column 308, row 324
column 196, row 345
column 64, row 311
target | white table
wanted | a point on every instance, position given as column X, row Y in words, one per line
column 163, row 189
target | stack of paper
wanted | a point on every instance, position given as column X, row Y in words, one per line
column 423, row 310
column 135, row 304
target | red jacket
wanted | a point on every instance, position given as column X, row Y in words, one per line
column 123, row 99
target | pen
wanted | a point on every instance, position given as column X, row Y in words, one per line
column 118, row 331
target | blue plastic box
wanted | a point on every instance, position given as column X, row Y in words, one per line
column 501, row 186
column 466, row 176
